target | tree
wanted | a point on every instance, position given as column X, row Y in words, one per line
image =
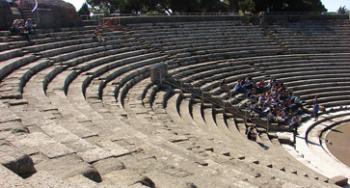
column 188, row 6
column 343, row 10
column 247, row 6
column 232, row 5
column 290, row 5
column 84, row 10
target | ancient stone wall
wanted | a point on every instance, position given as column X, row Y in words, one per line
column 50, row 13
column 5, row 14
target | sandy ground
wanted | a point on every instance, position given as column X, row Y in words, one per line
column 338, row 143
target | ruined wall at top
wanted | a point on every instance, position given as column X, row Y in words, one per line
column 49, row 14
column 5, row 14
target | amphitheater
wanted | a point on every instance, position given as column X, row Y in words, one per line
column 80, row 113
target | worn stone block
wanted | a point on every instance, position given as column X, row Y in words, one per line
column 69, row 166
column 340, row 180
column 16, row 161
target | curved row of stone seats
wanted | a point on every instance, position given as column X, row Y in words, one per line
column 208, row 76
column 265, row 143
column 75, row 79
column 100, row 90
column 114, row 58
column 34, row 87
column 312, row 70
column 153, row 92
column 47, row 33
column 11, row 47
column 185, row 46
column 321, row 95
column 316, row 68
column 128, row 53
column 65, row 119
column 119, row 170
column 51, row 40
column 324, row 96
column 301, row 37
column 312, row 142
column 53, row 56
column 172, row 127
column 119, row 67
column 102, row 54
column 37, row 147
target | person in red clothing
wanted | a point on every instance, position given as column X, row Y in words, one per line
column 260, row 86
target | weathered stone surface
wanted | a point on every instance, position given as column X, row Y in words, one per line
column 340, row 180
column 5, row 14
column 114, row 148
column 10, row 180
column 80, row 145
column 16, row 161
column 123, row 177
column 40, row 142
column 7, row 116
column 80, row 130
column 44, row 179
column 109, row 165
column 95, row 154
column 82, row 181
column 59, row 133
column 69, row 166
column 14, row 127
column 51, row 13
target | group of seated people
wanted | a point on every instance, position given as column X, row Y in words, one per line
column 271, row 100
column 21, row 27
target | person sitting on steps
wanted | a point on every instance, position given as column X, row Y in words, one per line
column 252, row 133
column 17, row 26
column 98, row 35
column 225, row 88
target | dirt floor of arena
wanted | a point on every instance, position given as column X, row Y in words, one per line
column 338, row 142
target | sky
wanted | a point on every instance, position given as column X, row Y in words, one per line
column 77, row 3
column 331, row 5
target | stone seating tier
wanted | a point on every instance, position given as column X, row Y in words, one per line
column 87, row 112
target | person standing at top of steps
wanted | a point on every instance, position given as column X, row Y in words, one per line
column 29, row 26
column 28, row 29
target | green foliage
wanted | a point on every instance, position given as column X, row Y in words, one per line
column 185, row 6
column 290, row 5
column 247, row 6
column 84, row 10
